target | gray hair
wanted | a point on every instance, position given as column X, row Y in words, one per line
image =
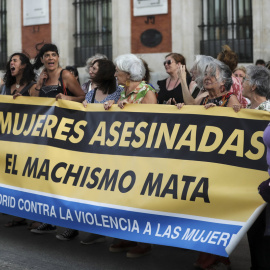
column 225, row 73
column 90, row 60
column 200, row 64
column 131, row 64
column 259, row 76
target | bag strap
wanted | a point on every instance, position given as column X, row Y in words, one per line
column 62, row 83
column 94, row 95
column 27, row 87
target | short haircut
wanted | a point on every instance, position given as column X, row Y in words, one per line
column 259, row 76
column 132, row 65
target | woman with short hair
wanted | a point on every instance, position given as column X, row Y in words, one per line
column 55, row 81
column 130, row 72
column 256, row 85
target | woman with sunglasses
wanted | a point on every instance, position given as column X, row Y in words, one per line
column 170, row 89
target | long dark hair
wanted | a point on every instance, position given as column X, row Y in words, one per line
column 104, row 78
column 28, row 72
column 45, row 48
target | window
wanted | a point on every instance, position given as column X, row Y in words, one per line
column 93, row 29
column 3, row 34
column 227, row 22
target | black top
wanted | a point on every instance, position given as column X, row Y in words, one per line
column 221, row 101
column 53, row 90
column 164, row 95
column 23, row 92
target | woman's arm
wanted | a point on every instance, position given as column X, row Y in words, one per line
column 188, row 99
column 234, row 103
column 150, row 98
column 73, row 86
column 33, row 92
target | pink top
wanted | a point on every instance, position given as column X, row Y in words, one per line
column 237, row 89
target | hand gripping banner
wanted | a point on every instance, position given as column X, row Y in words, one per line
column 149, row 173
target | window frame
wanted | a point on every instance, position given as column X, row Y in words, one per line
column 227, row 22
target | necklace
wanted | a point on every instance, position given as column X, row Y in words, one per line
column 18, row 85
column 174, row 85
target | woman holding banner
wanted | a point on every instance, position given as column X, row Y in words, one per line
column 130, row 72
column 19, row 79
column 54, row 81
column 217, row 82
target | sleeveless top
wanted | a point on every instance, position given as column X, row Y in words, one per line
column 53, row 90
column 164, row 95
column 221, row 101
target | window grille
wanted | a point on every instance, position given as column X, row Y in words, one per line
column 227, row 22
column 3, row 34
column 93, row 20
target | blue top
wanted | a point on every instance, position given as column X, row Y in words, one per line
column 114, row 96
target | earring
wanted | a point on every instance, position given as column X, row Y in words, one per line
column 127, row 83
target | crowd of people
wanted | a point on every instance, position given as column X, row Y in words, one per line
column 210, row 82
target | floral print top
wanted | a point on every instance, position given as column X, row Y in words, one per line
column 138, row 94
column 264, row 106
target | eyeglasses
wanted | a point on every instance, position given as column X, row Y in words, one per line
column 168, row 62
column 245, row 79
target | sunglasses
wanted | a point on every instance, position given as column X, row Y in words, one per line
column 168, row 62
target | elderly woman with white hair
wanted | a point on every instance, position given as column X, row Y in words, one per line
column 217, row 81
column 130, row 72
column 256, row 87
column 197, row 71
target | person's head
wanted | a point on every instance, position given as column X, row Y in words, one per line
column 104, row 77
column 240, row 73
column 228, row 57
column 19, row 65
column 90, row 60
column 47, row 56
column 260, row 62
column 198, row 69
column 218, row 77
column 74, row 71
column 173, row 61
column 147, row 71
column 256, row 81
column 129, row 68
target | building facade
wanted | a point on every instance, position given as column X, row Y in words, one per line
column 151, row 29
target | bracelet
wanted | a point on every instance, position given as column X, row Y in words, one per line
column 37, row 89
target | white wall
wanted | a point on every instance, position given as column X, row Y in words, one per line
column 261, row 26
column 14, row 27
column 63, row 28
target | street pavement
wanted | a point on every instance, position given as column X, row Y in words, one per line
column 22, row 250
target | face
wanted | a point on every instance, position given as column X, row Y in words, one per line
column 211, row 80
column 170, row 65
column 247, row 88
column 16, row 66
column 240, row 74
column 121, row 76
column 93, row 70
column 50, row 60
